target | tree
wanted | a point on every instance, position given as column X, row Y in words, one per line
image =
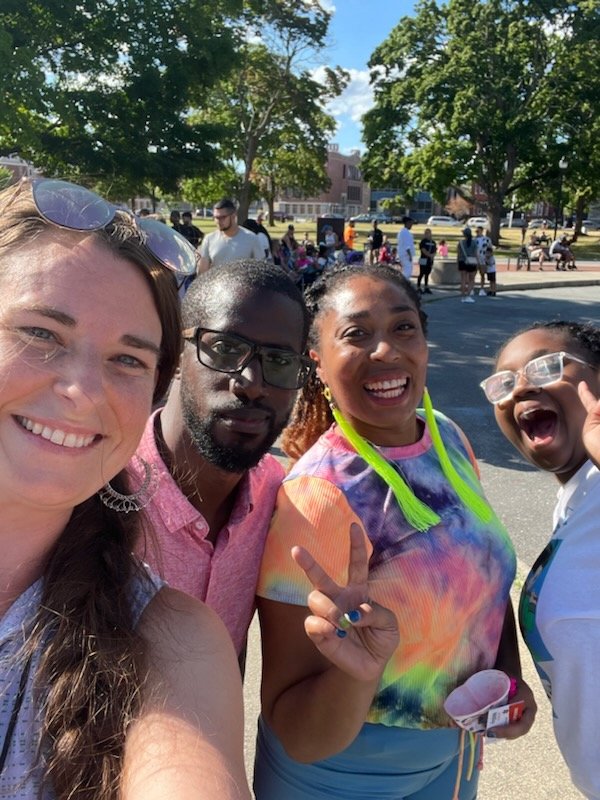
column 205, row 192
column 459, row 93
column 571, row 97
column 272, row 90
column 102, row 89
column 291, row 164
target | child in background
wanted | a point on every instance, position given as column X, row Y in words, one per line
column 385, row 252
column 443, row 249
column 490, row 265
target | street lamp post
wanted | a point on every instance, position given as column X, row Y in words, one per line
column 562, row 167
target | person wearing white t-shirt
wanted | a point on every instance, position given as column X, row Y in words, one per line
column 406, row 247
column 229, row 242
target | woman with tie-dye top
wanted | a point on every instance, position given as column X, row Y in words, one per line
column 355, row 709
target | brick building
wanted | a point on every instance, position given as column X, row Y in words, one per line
column 348, row 193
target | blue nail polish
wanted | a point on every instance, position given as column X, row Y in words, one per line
column 353, row 616
column 340, row 633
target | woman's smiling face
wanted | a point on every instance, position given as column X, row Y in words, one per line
column 372, row 354
column 544, row 423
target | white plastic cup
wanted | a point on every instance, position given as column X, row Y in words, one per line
column 469, row 703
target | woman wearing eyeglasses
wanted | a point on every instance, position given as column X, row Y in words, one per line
column 406, row 607
column 111, row 685
column 544, row 395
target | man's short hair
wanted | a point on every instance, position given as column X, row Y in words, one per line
column 226, row 203
column 407, row 219
column 204, row 296
column 187, row 214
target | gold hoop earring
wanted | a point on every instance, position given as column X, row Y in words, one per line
column 328, row 396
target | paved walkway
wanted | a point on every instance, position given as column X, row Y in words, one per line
column 508, row 278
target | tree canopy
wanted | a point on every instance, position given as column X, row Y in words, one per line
column 134, row 98
column 269, row 105
column 475, row 94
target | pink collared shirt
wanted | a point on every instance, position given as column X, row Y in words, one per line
column 224, row 574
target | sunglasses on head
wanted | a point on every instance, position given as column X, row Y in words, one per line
column 228, row 352
column 71, row 206
column 541, row 371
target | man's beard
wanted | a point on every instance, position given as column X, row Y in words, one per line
column 236, row 458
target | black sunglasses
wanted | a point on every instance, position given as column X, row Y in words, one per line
column 228, row 352
column 71, row 206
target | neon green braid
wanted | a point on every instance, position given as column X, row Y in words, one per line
column 467, row 495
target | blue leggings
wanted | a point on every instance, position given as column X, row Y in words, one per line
column 381, row 763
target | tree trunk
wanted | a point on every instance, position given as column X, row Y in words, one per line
column 495, row 215
column 246, row 190
column 271, row 207
column 579, row 209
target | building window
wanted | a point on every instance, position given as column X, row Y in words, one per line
column 355, row 194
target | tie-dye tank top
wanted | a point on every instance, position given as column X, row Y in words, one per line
column 448, row 586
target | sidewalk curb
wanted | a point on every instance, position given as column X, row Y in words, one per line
column 452, row 290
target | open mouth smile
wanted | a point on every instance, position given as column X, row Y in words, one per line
column 388, row 389
column 538, row 424
column 55, row 435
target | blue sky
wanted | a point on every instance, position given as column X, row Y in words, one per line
column 356, row 28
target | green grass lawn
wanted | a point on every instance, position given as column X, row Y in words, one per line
column 586, row 248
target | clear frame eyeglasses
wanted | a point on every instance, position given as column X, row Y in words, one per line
column 541, row 371
column 230, row 353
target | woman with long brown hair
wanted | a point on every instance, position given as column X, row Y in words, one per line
column 110, row 684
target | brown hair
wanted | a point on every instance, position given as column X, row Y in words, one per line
column 311, row 415
column 91, row 668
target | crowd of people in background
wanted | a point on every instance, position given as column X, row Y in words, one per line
column 306, row 257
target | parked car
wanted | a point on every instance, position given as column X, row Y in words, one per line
column 521, row 222
column 449, row 222
column 362, row 218
column 590, row 225
column 537, row 223
column 478, row 222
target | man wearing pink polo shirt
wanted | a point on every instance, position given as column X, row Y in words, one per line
column 245, row 329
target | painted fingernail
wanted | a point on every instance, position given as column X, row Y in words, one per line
column 353, row 616
column 340, row 633
column 344, row 622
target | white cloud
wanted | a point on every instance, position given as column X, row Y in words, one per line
column 328, row 6
column 354, row 101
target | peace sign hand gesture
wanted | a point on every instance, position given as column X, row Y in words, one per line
column 591, row 427
column 355, row 634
